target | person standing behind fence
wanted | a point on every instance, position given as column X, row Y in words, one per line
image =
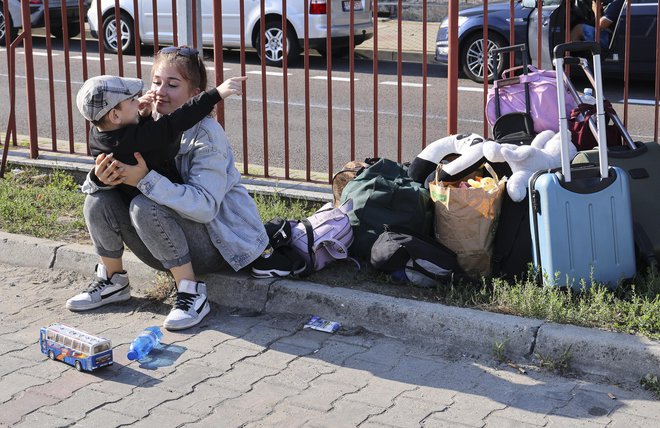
column 206, row 224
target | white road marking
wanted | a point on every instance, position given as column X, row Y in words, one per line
column 269, row 73
column 334, row 78
column 91, row 58
column 638, row 101
column 470, row 89
column 35, row 53
column 409, row 84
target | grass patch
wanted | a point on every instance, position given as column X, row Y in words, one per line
column 50, row 206
column 41, row 205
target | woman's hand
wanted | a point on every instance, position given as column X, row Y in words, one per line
column 132, row 174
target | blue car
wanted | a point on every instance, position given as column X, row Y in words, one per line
column 471, row 42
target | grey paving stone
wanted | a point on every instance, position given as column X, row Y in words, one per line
column 78, row 405
column 201, row 402
column 24, row 403
column 15, row 383
column 300, row 373
column 186, row 376
column 164, row 417
column 335, row 352
column 138, row 404
column 242, row 376
column 321, row 394
column 406, row 412
column 42, row 420
column 379, row 392
column 285, row 415
column 104, row 417
column 585, row 404
column 344, row 414
column 466, row 409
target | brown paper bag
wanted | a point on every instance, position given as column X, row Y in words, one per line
column 466, row 220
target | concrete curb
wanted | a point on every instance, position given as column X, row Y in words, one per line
column 616, row 356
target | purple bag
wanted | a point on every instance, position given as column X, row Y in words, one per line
column 544, row 108
column 324, row 236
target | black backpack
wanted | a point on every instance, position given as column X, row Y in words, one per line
column 413, row 258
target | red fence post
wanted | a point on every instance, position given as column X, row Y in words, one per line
column 452, row 70
column 29, row 80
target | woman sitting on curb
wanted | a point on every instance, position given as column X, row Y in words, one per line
column 203, row 225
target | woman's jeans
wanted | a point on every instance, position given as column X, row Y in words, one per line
column 157, row 235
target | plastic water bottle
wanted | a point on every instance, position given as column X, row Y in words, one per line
column 144, row 343
column 588, row 97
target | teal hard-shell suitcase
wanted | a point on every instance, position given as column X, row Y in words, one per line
column 580, row 216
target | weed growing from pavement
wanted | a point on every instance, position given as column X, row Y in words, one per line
column 499, row 350
column 50, row 206
column 559, row 364
column 651, row 383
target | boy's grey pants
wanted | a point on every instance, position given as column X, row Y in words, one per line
column 157, row 235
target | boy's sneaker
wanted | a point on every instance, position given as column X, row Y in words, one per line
column 102, row 291
column 190, row 308
column 284, row 261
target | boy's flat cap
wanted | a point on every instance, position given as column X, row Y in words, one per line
column 101, row 94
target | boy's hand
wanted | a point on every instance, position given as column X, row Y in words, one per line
column 231, row 86
column 146, row 102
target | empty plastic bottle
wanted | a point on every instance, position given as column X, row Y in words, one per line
column 144, row 343
column 588, row 97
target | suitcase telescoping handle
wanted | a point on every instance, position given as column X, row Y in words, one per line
column 559, row 52
column 512, row 80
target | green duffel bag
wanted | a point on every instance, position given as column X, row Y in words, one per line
column 384, row 194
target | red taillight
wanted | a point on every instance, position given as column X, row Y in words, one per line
column 36, row 2
column 317, row 7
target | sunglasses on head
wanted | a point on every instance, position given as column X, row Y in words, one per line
column 183, row 51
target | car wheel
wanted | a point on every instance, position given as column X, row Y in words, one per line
column 472, row 57
column 5, row 23
column 110, row 40
column 51, row 355
column 273, row 44
column 74, row 30
column 78, row 366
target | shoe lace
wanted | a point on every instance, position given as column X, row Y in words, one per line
column 97, row 285
column 184, row 301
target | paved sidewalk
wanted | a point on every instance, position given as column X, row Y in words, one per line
column 254, row 370
column 617, row 357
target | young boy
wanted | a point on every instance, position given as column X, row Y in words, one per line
column 122, row 123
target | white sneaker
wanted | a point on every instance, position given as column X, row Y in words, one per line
column 102, row 291
column 190, row 308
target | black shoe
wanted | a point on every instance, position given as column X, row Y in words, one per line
column 283, row 261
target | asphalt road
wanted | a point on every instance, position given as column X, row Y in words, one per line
column 330, row 131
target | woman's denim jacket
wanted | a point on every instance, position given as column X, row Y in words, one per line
column 212, row 194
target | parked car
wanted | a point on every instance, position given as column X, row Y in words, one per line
column 231, row 38
column 471, row 42
column 13, row 22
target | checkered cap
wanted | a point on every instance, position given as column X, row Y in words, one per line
column 101, row 94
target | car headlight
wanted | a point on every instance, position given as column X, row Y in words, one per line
column 445, row 21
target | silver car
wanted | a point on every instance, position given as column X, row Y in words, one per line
column 12, row 23
column 231, row 37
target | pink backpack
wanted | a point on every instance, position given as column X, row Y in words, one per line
column 544, row 108
column 324, row 236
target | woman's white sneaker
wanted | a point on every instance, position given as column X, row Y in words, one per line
column 191, row 306
column 102, row 291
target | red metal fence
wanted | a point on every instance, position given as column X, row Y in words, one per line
column 297, row 153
